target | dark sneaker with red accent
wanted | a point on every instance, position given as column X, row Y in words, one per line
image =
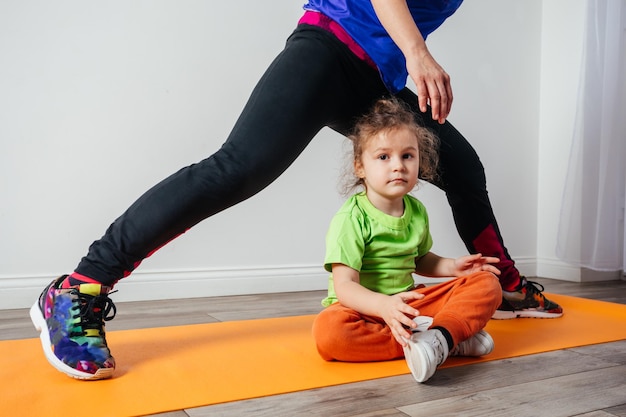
column 528, row 301
column 71, row 325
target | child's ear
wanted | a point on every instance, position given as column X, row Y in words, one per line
column 358, row 169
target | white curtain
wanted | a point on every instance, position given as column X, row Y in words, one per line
column 591, row 230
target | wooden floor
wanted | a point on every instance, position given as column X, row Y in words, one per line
column 587, row 381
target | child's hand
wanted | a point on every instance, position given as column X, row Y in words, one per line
column 475, row 263
column 398, row 314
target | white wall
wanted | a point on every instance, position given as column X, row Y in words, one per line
column 102, row 100
column 561, row 55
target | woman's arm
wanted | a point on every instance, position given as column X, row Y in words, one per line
column 432, row 82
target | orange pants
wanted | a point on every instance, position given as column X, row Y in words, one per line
column 463, row 306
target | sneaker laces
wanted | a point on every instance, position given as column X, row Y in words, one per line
column 533, row 287
column 441, row 352
column 93, row 311
column 440, row 346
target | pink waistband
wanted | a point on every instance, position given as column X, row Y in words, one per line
column 324, row 22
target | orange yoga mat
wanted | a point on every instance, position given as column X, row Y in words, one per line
column 172, row 368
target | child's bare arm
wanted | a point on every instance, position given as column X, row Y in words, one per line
column 433, row 265
column 393, row 309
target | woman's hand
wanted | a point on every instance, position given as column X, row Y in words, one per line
column 432, row 82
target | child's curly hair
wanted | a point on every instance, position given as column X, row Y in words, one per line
column 390, row 114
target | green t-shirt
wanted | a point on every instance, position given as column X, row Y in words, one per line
column 381, row 247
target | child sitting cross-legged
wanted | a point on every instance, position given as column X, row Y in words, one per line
column 378, row 239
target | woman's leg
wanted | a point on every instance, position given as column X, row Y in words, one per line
column 314, row 82
column 307, row 87
column 462, row 177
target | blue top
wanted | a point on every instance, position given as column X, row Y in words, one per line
column 359, row 20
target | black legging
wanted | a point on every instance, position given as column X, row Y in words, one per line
column 314, row 82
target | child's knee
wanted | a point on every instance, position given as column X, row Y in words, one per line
column 324, row 334
column 491, row 287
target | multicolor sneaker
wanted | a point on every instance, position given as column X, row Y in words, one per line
column 527, row 301
column 71, row 325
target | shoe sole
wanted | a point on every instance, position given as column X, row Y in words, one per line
column 415, row 358
column 40, row 324
column 519, row 314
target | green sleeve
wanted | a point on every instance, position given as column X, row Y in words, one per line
column 345, row 241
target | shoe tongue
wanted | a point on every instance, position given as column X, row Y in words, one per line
column 90, row 289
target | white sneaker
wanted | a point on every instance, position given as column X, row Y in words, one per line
column 424, row 352
column 478, row 345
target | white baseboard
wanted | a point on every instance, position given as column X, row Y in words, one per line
column 21, row 292
column 588, row 275
column 556, row 269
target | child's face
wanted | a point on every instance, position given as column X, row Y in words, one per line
column 389, row 164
